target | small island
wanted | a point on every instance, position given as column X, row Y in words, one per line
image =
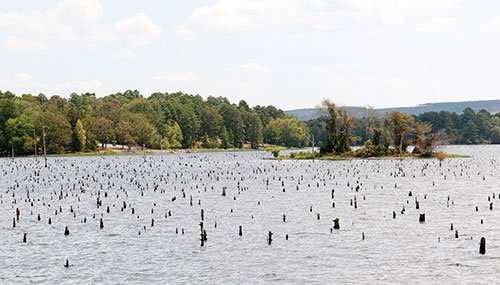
column 391, row 137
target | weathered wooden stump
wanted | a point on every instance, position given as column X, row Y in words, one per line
column 269, row 237
column 421, row 218
column 482, row 246
column 336, row 223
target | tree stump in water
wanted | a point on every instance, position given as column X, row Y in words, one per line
column 336, row 224
column 482, row 246
column 269, row 237
column 421, row 218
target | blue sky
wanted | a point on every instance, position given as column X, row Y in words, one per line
column 288, row 53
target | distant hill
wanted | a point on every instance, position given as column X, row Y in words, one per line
column 492, row 106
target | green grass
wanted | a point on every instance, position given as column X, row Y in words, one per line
column 348, row 156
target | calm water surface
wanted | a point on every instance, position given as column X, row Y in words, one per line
column 129, row 250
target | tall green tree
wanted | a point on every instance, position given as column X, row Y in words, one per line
column 400, row 124
column 173, row 138
column 253, row 129
column 19, row 134
column 80, row 136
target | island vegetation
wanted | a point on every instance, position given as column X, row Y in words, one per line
column 469, row 127
column 391, row 134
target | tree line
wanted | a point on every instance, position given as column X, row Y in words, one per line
column 392, row 133
column 84, row 122
column 469, row 127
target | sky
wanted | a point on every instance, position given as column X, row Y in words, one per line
column 287, row 53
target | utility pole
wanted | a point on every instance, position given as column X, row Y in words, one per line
column 161, row 147
column 34, row 140
column 161, row 144
column 44, row 146
column 12, row 150
column 144, row 148
column 313, row 145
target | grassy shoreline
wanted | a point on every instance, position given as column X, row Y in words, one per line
column 119, row 151
column 438, row 155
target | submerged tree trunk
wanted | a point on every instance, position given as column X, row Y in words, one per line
column 401, row 147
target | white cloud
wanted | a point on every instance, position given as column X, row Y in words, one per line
column 126, row 54
column 81, row 86
column 437, row 25
column 177, row 78
column 396, row 12
column 251, row 67
column 23, row 79
column 242, row 15
column 395, row 82
column 70, row 23
column 139, row 30
column 491, row 25
column 19, row 82
column 348, row 66
column 320, row 69
column 228, row 16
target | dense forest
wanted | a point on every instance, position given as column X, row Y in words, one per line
column 469, row 127
column 86, row 123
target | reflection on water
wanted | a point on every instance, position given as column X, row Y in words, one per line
column 173, row 189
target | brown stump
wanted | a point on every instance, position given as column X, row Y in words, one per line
column 482, row 246
column 421, row 218
column 336, row 224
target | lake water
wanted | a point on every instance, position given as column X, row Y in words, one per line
column 129, row 250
